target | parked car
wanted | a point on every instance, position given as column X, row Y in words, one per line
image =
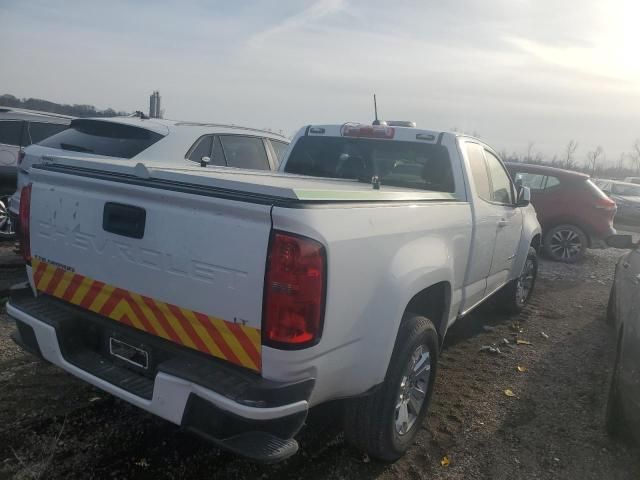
column 574, row 213
column 19, row 128
column 133, row 140
column 635, row 180
column 627, row 198
column 230, row 302
column 623, row 313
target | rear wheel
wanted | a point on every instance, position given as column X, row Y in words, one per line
column 516, row 294
column 565, row 243
column 385, row 423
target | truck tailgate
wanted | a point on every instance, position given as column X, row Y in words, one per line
column 186, row 267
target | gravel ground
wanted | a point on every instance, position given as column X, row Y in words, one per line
column 53, row 426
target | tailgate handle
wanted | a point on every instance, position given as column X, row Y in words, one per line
column 125, row 220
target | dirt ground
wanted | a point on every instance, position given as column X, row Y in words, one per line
column 55, row 427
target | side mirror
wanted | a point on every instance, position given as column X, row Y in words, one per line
column 624, row 242
column 524, row 196
column 204, row 161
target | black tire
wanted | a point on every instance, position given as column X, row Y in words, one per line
column 509, row 299
column 616, row 424
column 565, row 243
column 370, row 421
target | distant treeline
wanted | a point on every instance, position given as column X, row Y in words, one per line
column 75, row 110
column 594, row 163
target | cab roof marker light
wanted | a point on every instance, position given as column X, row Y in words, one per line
column 425, row 136
column 368, row 131
column 317, row 130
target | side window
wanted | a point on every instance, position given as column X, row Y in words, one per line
column 201, row 149
column 501, row 188
column 279, row 148
column 534, row 181
column 245, row 152
column 479, row 171
column 10, row 132
column 217, row 157
column 552, row 182
column 40, row 130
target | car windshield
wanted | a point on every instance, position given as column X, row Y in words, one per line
column 626, row 190
column 396, row 163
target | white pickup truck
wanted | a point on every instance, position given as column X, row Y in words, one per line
column 230, row 302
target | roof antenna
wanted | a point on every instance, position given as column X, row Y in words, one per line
column 375, row 110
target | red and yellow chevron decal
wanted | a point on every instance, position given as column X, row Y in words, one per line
column 238, row 344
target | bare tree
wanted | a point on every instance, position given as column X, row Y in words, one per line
column 593, row 157
column 635, row 155
column 529, row 155
column 569, row 159
column 621, row 161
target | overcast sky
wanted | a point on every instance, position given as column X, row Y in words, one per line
column 513, row 71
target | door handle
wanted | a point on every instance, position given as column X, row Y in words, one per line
column 626, row 264
column 502, row 223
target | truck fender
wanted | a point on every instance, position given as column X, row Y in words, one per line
column 408, row 278
column 531, row 236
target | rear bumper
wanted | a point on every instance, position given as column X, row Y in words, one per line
column 599, row 239
column 219, row 402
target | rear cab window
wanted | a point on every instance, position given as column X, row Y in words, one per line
column 396, row 163
column 103, row 138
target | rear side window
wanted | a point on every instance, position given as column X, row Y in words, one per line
column 395, row 163
column 41, row 130
column 502, row 190
column 10, row 132
column 207, row 146
column 245, row 152
column 279, row 148
column 479, row 171
column 534, row 181
column 103, row 138
column 626, row 190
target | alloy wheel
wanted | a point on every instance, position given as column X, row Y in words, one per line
column 6, row 225
column 413, row 390
column 566, row 244
column 525, row 282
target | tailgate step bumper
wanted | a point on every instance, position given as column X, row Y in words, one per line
column 236, row 409
column 260, row 446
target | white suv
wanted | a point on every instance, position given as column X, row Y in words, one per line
column 169, row 143
column 19, row 128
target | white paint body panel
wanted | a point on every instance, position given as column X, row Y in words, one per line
column 379, row 255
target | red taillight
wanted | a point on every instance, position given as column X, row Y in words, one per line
column 25, row 214
column 294, row 291
column 368, row 131
column 21, row 155
column 605, row 203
